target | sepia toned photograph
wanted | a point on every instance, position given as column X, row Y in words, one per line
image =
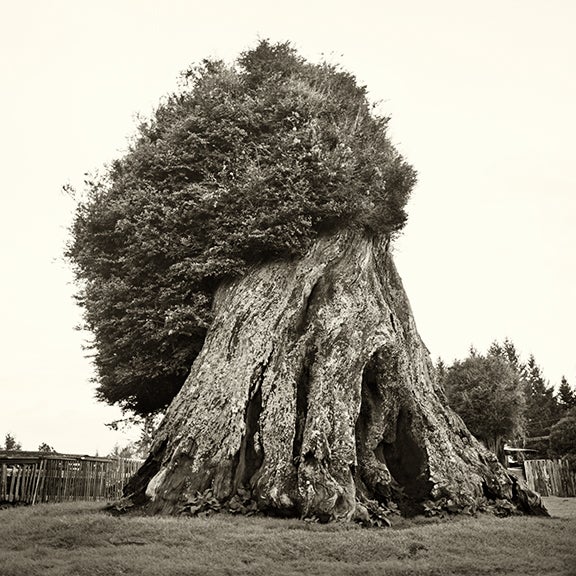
column 287, row 288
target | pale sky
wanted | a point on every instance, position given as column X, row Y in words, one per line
column 482, row 97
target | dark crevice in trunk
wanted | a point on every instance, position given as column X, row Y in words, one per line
column 408, row 463
column 251, row 455
column 302, row 321
column 302, row 392
column 490, row 492
column 377, row 409
column 136, row 486
column 234, row 335
column 392, row 461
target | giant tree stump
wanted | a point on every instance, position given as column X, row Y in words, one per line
column 314, row 394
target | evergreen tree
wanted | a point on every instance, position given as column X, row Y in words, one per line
column 566, row 396
column 507, row 351
column 10, row 443
column 441, row 370
column 487, row 393
column 542, row 408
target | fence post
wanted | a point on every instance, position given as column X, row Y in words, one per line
column 39, row 470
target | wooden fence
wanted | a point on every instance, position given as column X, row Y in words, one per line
column 550, row 477
column 61, row 478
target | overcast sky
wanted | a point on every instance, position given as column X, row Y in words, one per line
column 482, row 96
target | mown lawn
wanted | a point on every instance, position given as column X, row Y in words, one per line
column 80, row 539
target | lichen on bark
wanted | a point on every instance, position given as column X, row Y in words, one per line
column 315, row 395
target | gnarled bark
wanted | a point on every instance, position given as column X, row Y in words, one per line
column 315, row 394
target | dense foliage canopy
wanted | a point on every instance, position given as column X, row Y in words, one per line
column 247, row 163
column 535, row 407
column 563, row 439
column 487, row 393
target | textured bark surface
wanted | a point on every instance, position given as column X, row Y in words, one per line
column 315, row 396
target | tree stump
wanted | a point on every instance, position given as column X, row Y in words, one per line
column 314, row 396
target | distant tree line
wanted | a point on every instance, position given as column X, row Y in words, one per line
column 131, row 450
column 502, row 399
column 137, row 449
column 11, row 444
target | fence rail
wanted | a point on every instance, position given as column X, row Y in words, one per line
column 550, row 477
column 59, row 478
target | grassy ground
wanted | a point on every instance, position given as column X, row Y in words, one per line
column 81, row 540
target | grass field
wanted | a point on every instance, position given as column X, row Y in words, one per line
column 80, row 539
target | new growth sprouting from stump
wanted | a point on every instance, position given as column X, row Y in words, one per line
column 238, row 260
